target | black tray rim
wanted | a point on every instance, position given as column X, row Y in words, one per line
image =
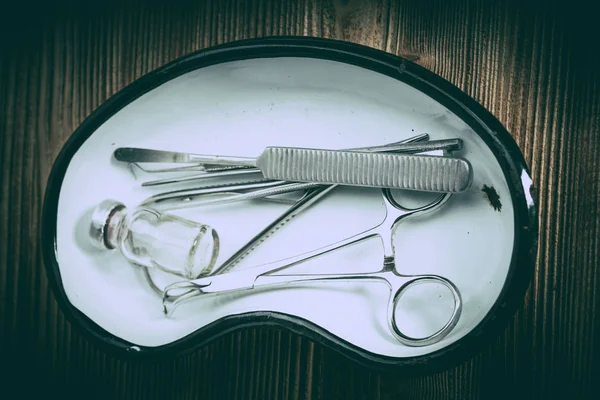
column 474, row 114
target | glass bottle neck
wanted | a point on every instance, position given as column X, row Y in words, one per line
column 113, row 227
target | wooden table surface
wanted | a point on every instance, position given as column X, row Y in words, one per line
column 534, row 65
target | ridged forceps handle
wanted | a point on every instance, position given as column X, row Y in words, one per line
column 379, row 170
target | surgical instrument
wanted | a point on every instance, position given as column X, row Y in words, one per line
column 142, row 155
column 414, row 146
column 192, row 197
column 202, row 168
column 354, row 168
column 207, row 171
column 398, row 284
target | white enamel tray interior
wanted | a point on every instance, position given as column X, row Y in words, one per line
column 241, row 107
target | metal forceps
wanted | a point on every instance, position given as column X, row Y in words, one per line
column 398, row 284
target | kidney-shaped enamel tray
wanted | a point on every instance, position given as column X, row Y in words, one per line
column 239, row 98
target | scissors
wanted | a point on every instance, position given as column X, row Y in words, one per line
column 262, row 276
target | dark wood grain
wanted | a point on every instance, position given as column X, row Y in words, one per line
column 534, row 65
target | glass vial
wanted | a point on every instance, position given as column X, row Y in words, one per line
column 153, row 239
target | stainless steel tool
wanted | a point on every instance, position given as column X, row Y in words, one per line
column 418, row 144
column 264, row 188
column 365, row 168
column 268, row 275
